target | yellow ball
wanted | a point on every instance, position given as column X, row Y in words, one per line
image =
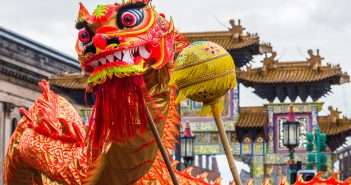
column 204, row 72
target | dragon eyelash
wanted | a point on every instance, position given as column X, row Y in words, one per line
column 126, row 7
column 81, row 24
column 130, row 5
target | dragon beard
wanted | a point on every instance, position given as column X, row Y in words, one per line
column 119, row 109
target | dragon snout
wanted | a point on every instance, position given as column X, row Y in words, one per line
column 101, row 41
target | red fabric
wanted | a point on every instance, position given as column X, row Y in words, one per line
column 120, row 107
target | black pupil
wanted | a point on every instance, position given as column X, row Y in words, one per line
column 128, row 19
column 84, row 35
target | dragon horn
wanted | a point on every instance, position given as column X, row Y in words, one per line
column 171, row 25
column 83, row 13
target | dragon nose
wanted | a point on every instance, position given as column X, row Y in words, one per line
column 100, row 41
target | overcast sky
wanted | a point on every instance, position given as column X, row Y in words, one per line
column 291, row 26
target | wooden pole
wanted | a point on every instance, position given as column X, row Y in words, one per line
column 161, row 147
column 224, row 139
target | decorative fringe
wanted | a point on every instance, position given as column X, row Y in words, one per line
column 207, row 108
column 115, row 69
column 119, row 109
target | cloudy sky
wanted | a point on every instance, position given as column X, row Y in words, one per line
column 291, row 26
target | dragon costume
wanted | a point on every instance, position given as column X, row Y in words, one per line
column 127, row 50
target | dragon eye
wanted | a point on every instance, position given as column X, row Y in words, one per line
column 128, row 19
column 84, row 36
column 131, row 18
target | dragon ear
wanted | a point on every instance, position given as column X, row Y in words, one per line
column 83, row 13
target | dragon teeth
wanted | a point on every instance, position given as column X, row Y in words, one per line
column 118, row 55
column 128, row 57
column 143, row 52
column 94, row 64
column 110, row 58
column 102, row 61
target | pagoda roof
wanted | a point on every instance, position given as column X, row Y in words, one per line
column 74, row 81
column 225, row 39
column 292, row 79
column 335, row 127
column 240, row 44
column 252, row 117
column 293, row 72
column 332, row 125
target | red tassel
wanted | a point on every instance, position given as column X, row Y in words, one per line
column 119, row 109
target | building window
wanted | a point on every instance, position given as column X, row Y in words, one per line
column 13, row 125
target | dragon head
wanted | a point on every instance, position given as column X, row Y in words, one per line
column 123, row 40
column 119, row 46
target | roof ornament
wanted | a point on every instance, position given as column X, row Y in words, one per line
column 265, row 47
column 334, row 115
column 315, row 59
column 236, row 29
column 269, row 63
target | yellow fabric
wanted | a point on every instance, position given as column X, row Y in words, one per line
column 204, row 72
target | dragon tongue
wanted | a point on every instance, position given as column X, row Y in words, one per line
column 139, row 60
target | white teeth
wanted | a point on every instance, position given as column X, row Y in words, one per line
column 110, row 58
column 143, row 52
column 127, row 57
column 94, row 64
column 118, row 55
column 102, row 60
column 135, row 49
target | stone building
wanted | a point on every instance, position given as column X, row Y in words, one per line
column 23, row 63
